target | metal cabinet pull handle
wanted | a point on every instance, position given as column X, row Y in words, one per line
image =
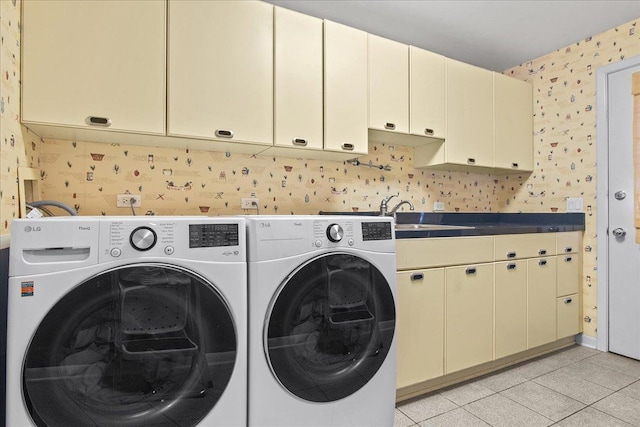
column 470, row 270
column 568, row 249
column 542, row 262
column 300, row 142
column 390, row 126
column 568, row 300
column 104, row 122
column 511, row 266
column 347, row 146
column 514, row 165
column 429, row 132
column 567, row 259
column 471, row 161
column 221, row 133
column 417, row 276
column 542, row 252
column 511, row 254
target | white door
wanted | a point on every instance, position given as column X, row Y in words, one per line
column 624, row 253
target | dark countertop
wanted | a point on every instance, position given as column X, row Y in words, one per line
column 483, row 224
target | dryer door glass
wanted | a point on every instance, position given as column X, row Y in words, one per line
column 143, row 345
column 330, row 327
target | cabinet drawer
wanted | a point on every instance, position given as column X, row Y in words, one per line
column 568, row 242
column 435, row 252
column 568, row 266
column 516, row 246
column 568, row 312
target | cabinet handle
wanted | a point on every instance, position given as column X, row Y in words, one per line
column 390, row 126
column 104, row 122
column 567, row 259
column 347, row 146
column 568, row 300
column 514, row 165
column 511, row 266
column 221, row 133
column 417, row 276
column 299, row 142
column 542, row 252
column 511, row 254
column 470, row 270
column 471, row 161
column 542, row 262
column 429, row 132
column 568, row 249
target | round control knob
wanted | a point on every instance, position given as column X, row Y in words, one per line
column 335, row 233
column 143, row 238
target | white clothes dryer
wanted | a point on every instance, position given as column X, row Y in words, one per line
column 321, row 321
column 127, row 321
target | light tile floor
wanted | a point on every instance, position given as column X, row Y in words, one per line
column 577, row 386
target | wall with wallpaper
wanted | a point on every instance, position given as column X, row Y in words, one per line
column 174, row 181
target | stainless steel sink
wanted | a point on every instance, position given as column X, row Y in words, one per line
column 416, row 227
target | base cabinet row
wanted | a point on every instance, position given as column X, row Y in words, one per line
column 452, row 318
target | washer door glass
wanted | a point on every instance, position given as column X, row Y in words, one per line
column 330, row 327
column 143, row 345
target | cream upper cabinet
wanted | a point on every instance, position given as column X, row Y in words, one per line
column 94, row 64
column 469, row 115
column 511, row 307
column 297, row 80
column 221, row 70
column 345, row 89
column 513, row 111
column 388, row 85
column 427, row 93
column 420, row 325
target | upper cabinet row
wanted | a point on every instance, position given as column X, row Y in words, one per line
column 249, row 77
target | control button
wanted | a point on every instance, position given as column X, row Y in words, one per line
column 169, row 250
column 335, row 233
column 351, row 242
column 318, row 243
column 116, row 252
column 143, row 238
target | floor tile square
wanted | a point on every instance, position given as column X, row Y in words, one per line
column 427, row 407
column 600, row 375
column 401, row 420
column 632, row 390
column 622, row 407
column 544, row 401
column 617, row 363
column 502, row 380
column 591, row 417
column 466, row 393
column 499, row 411
column 568, row 384
column 456, row 418
column 568, row 356
column 532, row 369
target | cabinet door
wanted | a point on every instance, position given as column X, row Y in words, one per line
column 568, row 316
column 469, row 115
column 511, row 308
column 345, row 89
column 298, row 80
column 513, row 110
column 221, row 70
column 95, row 63
column 427, row 92
column 420, row 326
column 568, row 276
column 469, row 316
column 541, row 296
column 388, row 85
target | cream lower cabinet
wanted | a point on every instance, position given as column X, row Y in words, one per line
column 541, row 301
column 510, row 307
column 468, row 316
column 568, row 282
column 568, row 312
column 420, row 326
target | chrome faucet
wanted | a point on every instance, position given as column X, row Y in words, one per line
column 403, row 202
column 384, row 206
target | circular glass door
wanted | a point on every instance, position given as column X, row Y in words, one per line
column 330, row 327
column 142, row 345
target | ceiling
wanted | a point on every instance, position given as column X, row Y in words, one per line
column 492, row 34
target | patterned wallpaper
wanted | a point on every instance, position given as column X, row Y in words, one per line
column 174, row 181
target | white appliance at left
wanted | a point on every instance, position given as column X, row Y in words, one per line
column 127, row 321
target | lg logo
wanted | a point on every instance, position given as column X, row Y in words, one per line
column 29, row 229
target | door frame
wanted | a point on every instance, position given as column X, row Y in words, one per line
column 602, row 202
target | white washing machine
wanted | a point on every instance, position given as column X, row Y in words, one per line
column 127, row 321
column 321, row 321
